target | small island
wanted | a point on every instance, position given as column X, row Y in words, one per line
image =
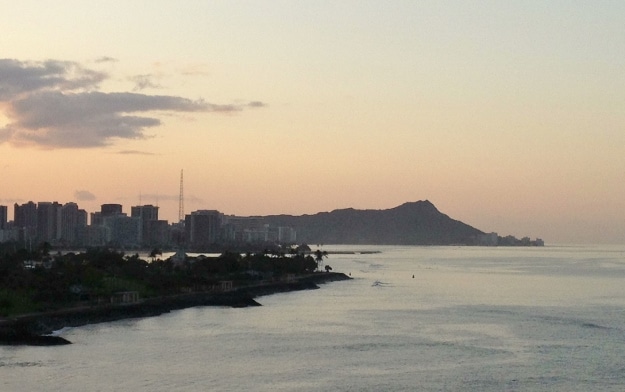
column 41, row 293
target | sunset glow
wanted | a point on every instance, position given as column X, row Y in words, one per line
column 508, row 116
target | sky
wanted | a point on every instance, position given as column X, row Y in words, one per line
column 506, row 115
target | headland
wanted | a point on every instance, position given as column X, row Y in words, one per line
column 37, row 328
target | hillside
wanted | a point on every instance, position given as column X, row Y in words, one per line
column 414, row 223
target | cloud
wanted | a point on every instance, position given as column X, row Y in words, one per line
column 176, row 198
column 88, row 119
column 105, row 59
column 18, row 77
column 142, row 82
column 256, row 104
column 84, row 196
column 135, row 152
column 195, row 69
column 56, row 104
column 157, row 198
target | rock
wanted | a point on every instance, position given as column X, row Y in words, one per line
column 18, row 337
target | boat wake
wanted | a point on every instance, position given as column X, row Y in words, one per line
column 379, row 283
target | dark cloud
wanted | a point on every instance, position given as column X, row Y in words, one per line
column 18, row 77
column 84, row 196
column 56, row 104
column 90, row 119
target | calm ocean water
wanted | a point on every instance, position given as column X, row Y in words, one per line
column 471, row 319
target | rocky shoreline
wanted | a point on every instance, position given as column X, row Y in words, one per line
column 36, row 329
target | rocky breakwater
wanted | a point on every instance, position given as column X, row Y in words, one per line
column 37, row 329
column 17, row 333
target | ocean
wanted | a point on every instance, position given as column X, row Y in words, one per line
column 411, row 319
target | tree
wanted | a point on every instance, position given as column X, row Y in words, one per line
column 44, row 249
column 319, row 255
column 155, row 252
column 302, row 249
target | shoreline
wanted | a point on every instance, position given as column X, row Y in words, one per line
column 36, row 329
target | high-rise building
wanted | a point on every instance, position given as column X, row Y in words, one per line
column 71, row 218
column 48, row 217
column 287, row 235
column 124, row 231
column 237, row 228
column 202, row 228
column 157, row 234
column 96, row 218
column 7, row 233
column 146, row 213
column 25, row 216
column 110, row 209
column 3, row 217
column 93, row 236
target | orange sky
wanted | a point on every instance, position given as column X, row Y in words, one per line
column 507, row 116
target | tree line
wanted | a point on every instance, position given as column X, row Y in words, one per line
column 36, row 280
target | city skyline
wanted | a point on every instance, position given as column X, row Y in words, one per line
column 66, row 225
column 506, row 116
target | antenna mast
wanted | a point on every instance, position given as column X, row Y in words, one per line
column 181, row 201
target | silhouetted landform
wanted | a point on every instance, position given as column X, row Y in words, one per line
column 35, row 329
column 40, row 293
column 414, row 223
column 513, row 241
column 16, row 335
column 353, row 252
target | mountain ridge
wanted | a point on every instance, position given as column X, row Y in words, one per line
column 411, row 223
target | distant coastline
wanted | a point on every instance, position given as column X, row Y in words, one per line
column 412, row 223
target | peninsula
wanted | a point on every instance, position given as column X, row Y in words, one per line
column 102, row 285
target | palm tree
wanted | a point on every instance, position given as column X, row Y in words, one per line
column 154, row 253
column 319, row 255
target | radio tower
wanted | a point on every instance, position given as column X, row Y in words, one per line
column 181, row 201
column 179, row 234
